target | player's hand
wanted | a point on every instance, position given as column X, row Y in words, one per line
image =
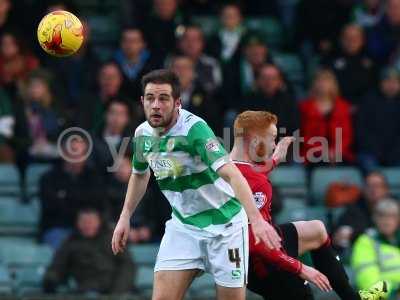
column 120, row 236
column 281, row 148
column 314, row 276
column 265, row 232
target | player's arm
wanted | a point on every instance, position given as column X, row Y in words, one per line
column 262, row 230
column 136, row 188
column 279, row 154
column 205, row 144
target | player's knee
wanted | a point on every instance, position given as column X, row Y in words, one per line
column 320, row 231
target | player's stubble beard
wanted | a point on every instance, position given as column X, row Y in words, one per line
column 167, row 119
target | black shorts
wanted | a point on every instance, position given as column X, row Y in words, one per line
column 281, row 285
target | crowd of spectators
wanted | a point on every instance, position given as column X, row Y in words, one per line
column 349, row 56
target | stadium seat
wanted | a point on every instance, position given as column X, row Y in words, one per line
column 208, row 24
column 322, row 177
column 29, row 279
column 305, row 213
column 9, row 180
column 15, row 240
column 17, row 217
column 291, row 66
column 29, row 255
column 144, row 280
column 144, row 254
column 104, row 28
column 270, row 27
column 393, row 177
column 5, row 281
column 33, row 175
column 203, row 287
column 291, row 181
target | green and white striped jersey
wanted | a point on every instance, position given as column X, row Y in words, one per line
column 185, row 161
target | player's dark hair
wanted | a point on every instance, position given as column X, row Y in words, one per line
column 163, row 76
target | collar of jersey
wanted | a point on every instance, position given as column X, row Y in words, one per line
column 173, row 128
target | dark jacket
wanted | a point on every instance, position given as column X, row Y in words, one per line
column 203, row 104
column 282, row 104
column 355, row 74
column 132, row 77
column 378, row 126
column 91, row 263
column 102, row 156
column 62, row 194
column 358, row 216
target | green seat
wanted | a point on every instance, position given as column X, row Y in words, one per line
column 305, row 213
column 252, row 296
column 322, row 177
column 144, row 254
column 18, row 218
column 291, row 180
column 29, row 279
column 104, row 28
column 291, row 66
column 15, row 240
column 270, row 27
column 208, row 24
column 9, row 180
column 393, row 178
column 203, row 286
column 33, row 175
column 16, row 256
column 5, row 281
column 144, row 280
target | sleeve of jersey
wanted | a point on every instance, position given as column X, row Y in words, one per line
column 139, row 163
column 275, row 257
column 205, row 144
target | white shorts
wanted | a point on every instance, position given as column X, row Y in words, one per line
column 224, row 256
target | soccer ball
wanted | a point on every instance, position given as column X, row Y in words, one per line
column 60, row 33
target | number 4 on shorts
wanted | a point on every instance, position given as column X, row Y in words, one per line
column 234, row 256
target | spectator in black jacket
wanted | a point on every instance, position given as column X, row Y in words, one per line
column 162, row 24
column 135, row 59
column 272, row 95
column 358, row 217
column 241, row 74
column 66, row 188
column 383, row 39
column 87, row 258
column 92, row 105
column 145, row 222
column 113, row 138
column 378, row 124
column 225, row 45
column 193, row 95
column 353, row 68
column 192, row 44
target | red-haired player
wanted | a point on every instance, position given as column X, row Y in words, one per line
column 278, row 274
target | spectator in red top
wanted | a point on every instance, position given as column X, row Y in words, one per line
column 322, row 116
column 15, row 62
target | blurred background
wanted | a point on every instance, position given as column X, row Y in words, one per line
column 319, row 65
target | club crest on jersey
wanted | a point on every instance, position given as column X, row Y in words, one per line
column 212, row 145
column 170, row 145
column 259, row 198
column 147, row 145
